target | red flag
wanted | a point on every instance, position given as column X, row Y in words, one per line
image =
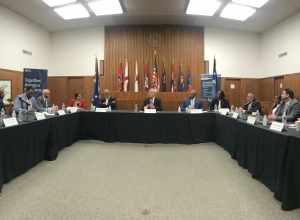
column 120, row 77
column 154, row 76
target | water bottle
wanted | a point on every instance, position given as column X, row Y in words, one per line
column 216, row 108
column 257, row 116
column 136, row 108
column 2, row 113
column 284, row 120
column 109, row 108
column 63, row 107
column 179, row 109
column 14, row 115
column 265, row 121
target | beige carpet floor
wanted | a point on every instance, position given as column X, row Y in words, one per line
column 95, row 180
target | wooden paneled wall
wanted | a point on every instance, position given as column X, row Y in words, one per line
column 179, row 44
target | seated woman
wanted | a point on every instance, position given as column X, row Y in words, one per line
column 77, row 101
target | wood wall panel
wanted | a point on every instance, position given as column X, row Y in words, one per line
column 181, row 45
column 292, row 81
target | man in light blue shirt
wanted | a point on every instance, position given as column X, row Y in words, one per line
column 27, row 102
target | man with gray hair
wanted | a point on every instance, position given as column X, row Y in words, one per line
column 1, row 99
column 107, row 100
column 44, row 100
column 252, row 105
column 152, row 102
column 191, row 102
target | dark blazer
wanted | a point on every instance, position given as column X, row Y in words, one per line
column 215, row 101
column 111, row 102
column 292, row 112
column 1, row 104
column 42, row 103
column 186, row 103
column 254, row 107
column 157, row 103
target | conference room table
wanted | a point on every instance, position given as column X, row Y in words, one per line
column 271, row 157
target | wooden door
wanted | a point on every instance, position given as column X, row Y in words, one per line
column 278, row 86
column 232, row 91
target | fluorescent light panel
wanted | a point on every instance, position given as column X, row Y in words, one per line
column 72, row 12
column 252, row 3
column 237, row 12
column 54, row 3
column 203, row 7
column 106, row 7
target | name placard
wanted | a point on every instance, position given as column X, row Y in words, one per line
column 8, row 122
column 235, row 115
column 61, row 112
column 72, row 109
column 151, row 111
column 101, row 109
column 224, row 111
column 196, row 111
column 251, row 120
column 277, row 126
column 40, row 116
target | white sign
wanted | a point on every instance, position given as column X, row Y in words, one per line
column 61, row 112
column 277, row 126
column 8, row 122
column 232, row 86
column 251, row 120
column 151, row 111
column 235, row 115
column 224, row 111
column 39, row 116
column 72, row 109
column 196, row 111
column 101, row 109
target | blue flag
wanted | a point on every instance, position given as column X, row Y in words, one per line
column 96, row 84
column 215, row 76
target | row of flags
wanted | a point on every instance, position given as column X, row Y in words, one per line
column 154, row 79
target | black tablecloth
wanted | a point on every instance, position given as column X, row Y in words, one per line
column 271, row 157
column 148, row 128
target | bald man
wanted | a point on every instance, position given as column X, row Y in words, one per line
column 44, row 101
column 252, row 104
column 152, row 102
column 1, row 99
column 107, row 101
column 191, row 102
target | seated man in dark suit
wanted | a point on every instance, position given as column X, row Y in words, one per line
column 1, row 99
column 152, row 102
column 44, row 100
column 191, row 102
column 220, row 101
column 252, row 104
column 107, row 101
column 289, row 108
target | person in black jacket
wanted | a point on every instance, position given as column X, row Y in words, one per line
column 252, row 105
column 152, row 102
column 107, row 101
column 220, row 101
column 1, row 99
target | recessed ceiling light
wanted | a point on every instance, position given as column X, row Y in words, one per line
column 72, row 12
column 53, row 3
column 253, row 3
column 106, row 7
column 237, row 12
column 203, row 7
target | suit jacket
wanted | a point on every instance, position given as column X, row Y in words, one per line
column 22, row 103
column 41, row 101
column 1, row 104
column 111, row 102
column 187, row 102
column 292, row 111
column 215, row 101
column 255, row 105
column 157, row 103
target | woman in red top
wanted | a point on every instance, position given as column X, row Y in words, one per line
column 77, row 101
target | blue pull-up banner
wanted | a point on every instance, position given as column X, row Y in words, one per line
column 37, row 78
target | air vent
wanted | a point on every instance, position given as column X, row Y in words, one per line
column 282, row 54
column 27, row 52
